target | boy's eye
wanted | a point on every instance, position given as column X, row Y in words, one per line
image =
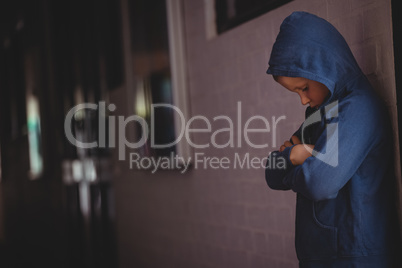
column 305, row 89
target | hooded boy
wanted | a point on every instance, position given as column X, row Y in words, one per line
column 339, row 162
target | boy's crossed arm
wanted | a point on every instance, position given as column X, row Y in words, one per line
column 300, row 152
column 296, row 156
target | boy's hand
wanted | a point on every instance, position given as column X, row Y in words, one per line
column 300, row 153
column 294, row 139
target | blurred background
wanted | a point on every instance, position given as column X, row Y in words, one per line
column 65, row 206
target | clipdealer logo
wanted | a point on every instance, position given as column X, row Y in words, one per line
column 237, row 134
column 331, row 155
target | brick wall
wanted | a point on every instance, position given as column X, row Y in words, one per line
column 229, row 217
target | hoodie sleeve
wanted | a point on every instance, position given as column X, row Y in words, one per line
column 274, row 172
column 277, row 167
column 339, row 152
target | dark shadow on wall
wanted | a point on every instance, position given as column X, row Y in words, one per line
column 397, row 37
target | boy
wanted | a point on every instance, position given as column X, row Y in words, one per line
column 339, row 162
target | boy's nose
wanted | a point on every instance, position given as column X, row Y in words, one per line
column 304, row 99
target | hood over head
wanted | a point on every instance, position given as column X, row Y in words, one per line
column 310, row 47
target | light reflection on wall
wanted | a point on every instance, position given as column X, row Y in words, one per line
column 34, row 137
column 142, row 100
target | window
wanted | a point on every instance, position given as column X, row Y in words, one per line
column 231, row 13
column 156, row 73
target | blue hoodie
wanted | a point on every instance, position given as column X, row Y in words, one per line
column 345, row 211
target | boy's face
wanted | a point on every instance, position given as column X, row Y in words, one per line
column 310, row 92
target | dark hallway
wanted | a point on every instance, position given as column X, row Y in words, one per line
column 55, row 54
